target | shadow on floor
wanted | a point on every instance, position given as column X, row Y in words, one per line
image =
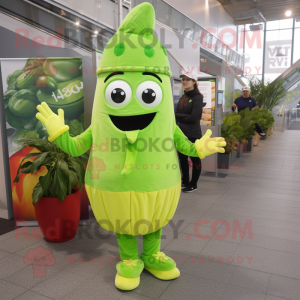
column 6, row 225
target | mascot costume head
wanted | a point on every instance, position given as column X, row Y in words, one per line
column 133, row 176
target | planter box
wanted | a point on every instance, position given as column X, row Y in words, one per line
column 248, row 146
column 58, row 221
column 224, row 160
column 240, row 150
column 233, row 156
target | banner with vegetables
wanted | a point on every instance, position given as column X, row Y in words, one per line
column 27, row 83
column 207, row 86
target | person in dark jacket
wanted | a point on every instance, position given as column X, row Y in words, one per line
column 188, row 114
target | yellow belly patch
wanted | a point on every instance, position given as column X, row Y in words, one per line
column 134, row 213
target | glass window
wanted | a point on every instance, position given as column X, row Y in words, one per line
column 163, row 12
column 297, row 24
column 286, row 23
column 229, row 38
column 249, row 78
column 278, row 52
column 206, row 39
column 197, row 33
column 271, row 76
column 254, row 50
column 189, row 28
column 177, row 21
column 137, row 2
column 296, row 45
column 214, row 42
column 220, row 49
column 280, row 24
column 232, row 57
column 271, row 25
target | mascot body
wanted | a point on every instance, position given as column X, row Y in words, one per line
column 133, row 178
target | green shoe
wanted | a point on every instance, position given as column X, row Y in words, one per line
column 158, row 261
column 128, row 276
column 161, row 266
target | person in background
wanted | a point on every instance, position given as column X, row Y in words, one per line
column 242, row 103
column 188, row 114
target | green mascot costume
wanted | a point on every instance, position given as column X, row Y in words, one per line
column 133, row 178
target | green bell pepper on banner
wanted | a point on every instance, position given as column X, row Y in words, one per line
column 23, row 103
column 68, row 96
column 63, row 69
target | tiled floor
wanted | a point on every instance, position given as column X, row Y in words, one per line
column 261, row 195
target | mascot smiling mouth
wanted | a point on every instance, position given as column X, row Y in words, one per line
column 130, row 123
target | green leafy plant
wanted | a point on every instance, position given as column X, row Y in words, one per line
column 265, row 118
column 247, row 122
column 267, row 95
column 65, row 172
column 231, row 131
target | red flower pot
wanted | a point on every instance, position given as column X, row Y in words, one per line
column 58, row 221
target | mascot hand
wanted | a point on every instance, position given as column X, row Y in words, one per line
column 55, row 124
column 207, row 146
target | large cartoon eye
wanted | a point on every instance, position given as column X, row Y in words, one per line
column 118, row 93
column 149, row 94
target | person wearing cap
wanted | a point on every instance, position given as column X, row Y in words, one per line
column 246, row 101
column 188, row 115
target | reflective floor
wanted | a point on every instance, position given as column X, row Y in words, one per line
column 234, row 238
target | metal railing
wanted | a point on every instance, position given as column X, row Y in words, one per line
column 180, row 23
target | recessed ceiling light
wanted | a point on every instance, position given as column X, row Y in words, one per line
column 288, row 13
column 77, row 23
column 96, row 32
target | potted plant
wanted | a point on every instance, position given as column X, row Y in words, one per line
column 230, row 130
column 224, row 159
column 56, row 196
column 269, row 94
column 247, row 122
column 234, row 145
column 266, row 121
column 240, row 148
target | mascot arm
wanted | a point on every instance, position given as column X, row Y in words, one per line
column 77, row 145
column 59, row 132
column 183, row 145
column 202, row 147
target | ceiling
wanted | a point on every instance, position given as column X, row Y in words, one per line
column 254, row 11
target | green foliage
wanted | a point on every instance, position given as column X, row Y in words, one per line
column 75, row 127
column 15, row 121
column 231, row 130
column 240, row 127
column 264, row 118
column 7, row 95
column 267, row 95
column 21, row 134
column 64, row 171
column 12, row 79
column 42, row 132
column 81, row 119
column 23, row 103
column 248, row 120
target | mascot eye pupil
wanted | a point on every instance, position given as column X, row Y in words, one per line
column 148, row 96
column 118, row 95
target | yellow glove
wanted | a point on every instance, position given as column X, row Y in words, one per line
column 55, row 124
column 207, row 146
